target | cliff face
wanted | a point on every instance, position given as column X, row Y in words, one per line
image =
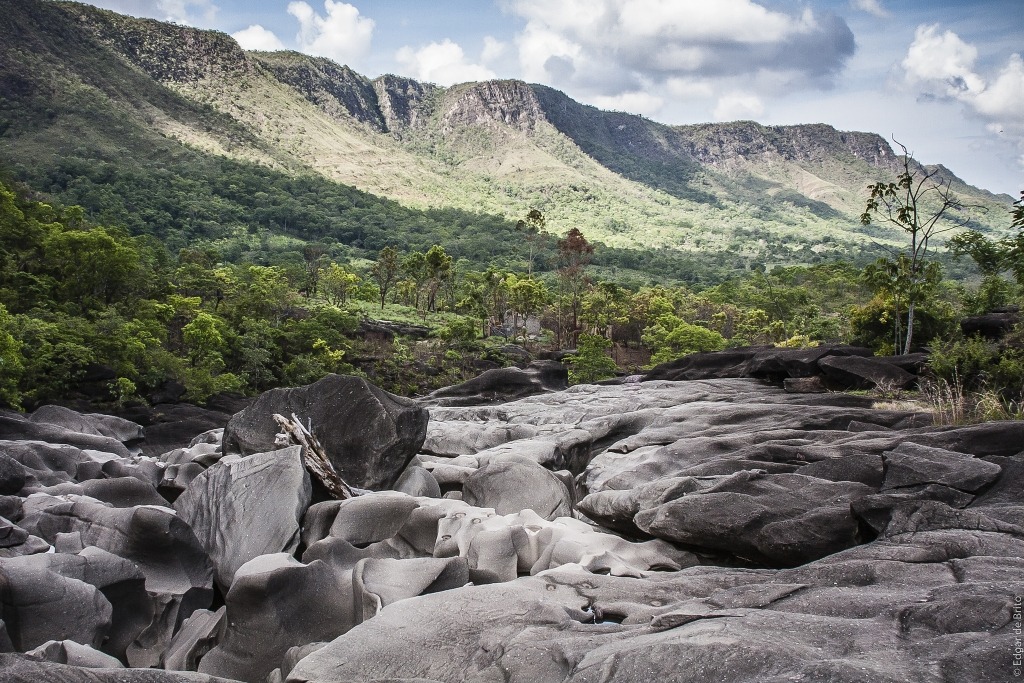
column 167, row 52
column 404, row 103
column 716, row 143
column 336, row 89
column 505, row 103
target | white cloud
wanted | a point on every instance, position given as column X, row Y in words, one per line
column 690, row 88
column 202, row 13
column 443, row 63
column 873, row 7
column 601, row 49
column 943, row 66
column 942, row 63
column 738, row 105
column 638, row 102
column 1003, row 99
column 493, row 49
column 342, row 34
column 258, row 38
column 185, row 11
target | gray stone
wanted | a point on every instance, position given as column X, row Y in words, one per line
column 369, row 435
column 511, row 486
column 857, row 372
column 913, row 465
column 198, row 634
column 242, row 508
column 277, row 603
column 75, row 654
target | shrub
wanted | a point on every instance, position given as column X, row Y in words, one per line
column 591, row 361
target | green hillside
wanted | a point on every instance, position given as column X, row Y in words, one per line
column 179, row 133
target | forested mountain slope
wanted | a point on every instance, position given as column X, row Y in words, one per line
column 180, row 133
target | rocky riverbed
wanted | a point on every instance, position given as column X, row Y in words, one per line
column 671, row 528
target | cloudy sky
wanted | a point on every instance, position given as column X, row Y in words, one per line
column 944, row 77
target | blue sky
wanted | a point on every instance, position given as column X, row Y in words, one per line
column 944, row 77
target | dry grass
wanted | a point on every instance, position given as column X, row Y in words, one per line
column 952, row 404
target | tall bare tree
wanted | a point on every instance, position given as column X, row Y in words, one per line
column 921, row 203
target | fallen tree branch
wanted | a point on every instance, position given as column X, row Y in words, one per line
column 313, row 455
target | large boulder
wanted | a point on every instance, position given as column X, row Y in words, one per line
column 170, row 426
column 911, row 464
column 855, row 372
column 277, row 603
column 16, row 668
column 242, row 508
column 369, row 435
column 842, row 620
column 111, row 426
column 118, row 580
column 510, row 486
column 780, row 520
column 178, row 572
column 19, row 428
column 39, row 605
column 503, row 384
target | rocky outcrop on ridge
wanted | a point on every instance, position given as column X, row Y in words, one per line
column 691, row 530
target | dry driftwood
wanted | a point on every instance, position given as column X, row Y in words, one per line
column 313, row 455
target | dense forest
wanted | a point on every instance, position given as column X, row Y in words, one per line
column 148, row 299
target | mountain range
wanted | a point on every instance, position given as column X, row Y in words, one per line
column 80, row 86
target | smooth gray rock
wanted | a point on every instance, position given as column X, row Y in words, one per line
column 360, row 521
column 242, row 508
column 369, row 435
column 913, row 465
column 96, row 424
column 45, row 464
column 22, row 429
column 844, row 620
column 199, row 634
column 23, row 669
column 177, row 569
column 857, row 372
column 40, row 605
column 417, row 481
column 12, row 475
column 512, row 486
column 276, row 603
column 503, row 384
column 781, row 520
column 118, row 580
column 74, row 654
column 379, row 583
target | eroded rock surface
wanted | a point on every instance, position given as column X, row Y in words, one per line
column 717, row 529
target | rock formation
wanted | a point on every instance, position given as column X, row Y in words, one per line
column 686, row 530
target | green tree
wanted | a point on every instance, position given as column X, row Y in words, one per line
column 532, row 229
column 313, row 257
column 591, row 362
column 439, row 270
column 671, row 337
column 605, row 306
column 574, row 254
column 526, row 297
column 994, row 257
column 11, row 365
column 93, row 267
column 337, row 282
column 896, row 281
column 414, row 267
column 921, row 203
column 385, row 272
